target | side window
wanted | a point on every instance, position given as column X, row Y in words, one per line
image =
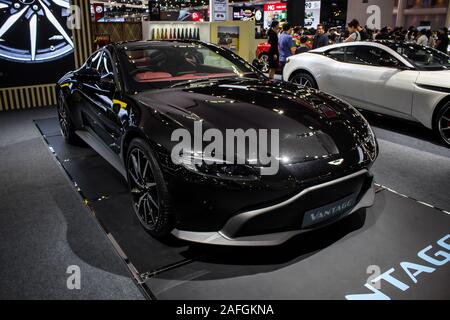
column 367, row 55
column 337, row 54
column 94, row 60
column 105, row 67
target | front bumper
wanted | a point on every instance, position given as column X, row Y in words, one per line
column 231, row 235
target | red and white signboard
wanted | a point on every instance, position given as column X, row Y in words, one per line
column 99, row 11
column 275, row 7
column 274, row 11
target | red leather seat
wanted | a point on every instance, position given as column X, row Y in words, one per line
column 150, row 76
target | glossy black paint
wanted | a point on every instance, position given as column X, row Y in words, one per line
column 315, row 129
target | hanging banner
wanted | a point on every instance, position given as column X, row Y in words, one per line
column 219, row 10
column 99, row 11
column 312, row 13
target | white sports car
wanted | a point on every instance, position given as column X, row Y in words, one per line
column 395, row 78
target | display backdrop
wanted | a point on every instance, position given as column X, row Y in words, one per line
column 36, row 48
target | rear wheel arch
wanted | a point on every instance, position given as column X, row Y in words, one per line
column 128, row 137
column 438, row 108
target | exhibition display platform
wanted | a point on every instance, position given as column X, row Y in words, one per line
column 398, row 246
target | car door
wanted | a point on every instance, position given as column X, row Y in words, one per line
column 373, row 79
column 113, row 113
column 104, row 113
column 330, row 79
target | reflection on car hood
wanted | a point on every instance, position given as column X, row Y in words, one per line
column 311, row 124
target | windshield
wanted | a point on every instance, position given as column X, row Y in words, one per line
column 165, row 65
column 423, row 58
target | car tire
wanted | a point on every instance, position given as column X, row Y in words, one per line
column 304, row 79
column 264, row 58
column 150, row 197
column 441, row 124
column 65, row 122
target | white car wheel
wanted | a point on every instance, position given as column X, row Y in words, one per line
column 264, row 58
column 443, row 124
column 304, row 79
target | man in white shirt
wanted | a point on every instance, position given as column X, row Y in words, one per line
column 423, row 39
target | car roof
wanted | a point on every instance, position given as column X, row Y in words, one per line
column 375, row 43
column 382, row 44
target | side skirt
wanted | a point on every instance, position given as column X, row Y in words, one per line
column 102, row 149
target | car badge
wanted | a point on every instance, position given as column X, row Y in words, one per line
column 337, row 162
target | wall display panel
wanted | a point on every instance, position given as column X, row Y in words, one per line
column 34, row 41
column 117, row 32
column 173, row 30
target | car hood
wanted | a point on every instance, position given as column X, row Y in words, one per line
column 439, row 78
column 311, row 124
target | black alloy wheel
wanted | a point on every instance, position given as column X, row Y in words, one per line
column 65, row 122
column 150, row 198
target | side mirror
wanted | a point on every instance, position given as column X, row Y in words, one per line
column 388, row 62
column 88, row 74
column 258, row 64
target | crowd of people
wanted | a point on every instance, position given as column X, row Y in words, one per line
column 286, row 40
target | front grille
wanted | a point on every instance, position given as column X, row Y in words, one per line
column 290, row 217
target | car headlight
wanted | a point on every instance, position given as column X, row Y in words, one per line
column 369, row 142
column 209, row 167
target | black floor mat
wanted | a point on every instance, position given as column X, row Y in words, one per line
column 66, row 151
column 48, row 127
column 145, row 253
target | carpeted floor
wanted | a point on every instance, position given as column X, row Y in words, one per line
column 45, row 228
column 412, row 162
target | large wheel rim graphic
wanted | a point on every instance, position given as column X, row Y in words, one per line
column 42, row 22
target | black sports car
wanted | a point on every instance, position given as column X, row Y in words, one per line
column 128, row 99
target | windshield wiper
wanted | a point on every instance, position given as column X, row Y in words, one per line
column 183, row 83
